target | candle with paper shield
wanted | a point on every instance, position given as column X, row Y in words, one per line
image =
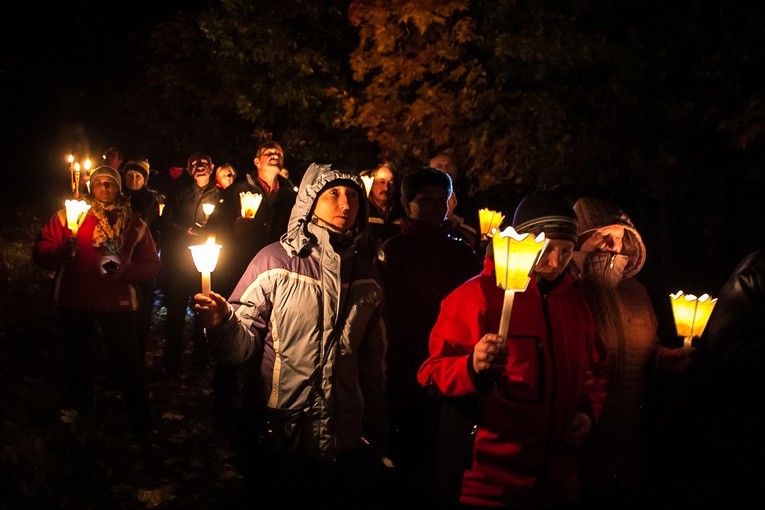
column 250, row 202
column 368, row 181
column 75, row 214
column 515, row 256
column 206, row 258
column 691, row 314
column 489, row 221
column 208, row 210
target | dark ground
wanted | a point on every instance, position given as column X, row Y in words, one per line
column 49, row 461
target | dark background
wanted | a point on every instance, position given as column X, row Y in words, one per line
column 64, row 64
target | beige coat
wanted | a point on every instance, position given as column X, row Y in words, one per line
column 613, row 464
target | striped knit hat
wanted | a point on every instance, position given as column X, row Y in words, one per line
column 546, row 211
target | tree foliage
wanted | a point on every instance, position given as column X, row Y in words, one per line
column 542, row 92
column 283, row 58
column 655, row 104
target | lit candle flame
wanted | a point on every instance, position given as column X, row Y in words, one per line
column 515, row 256
column 490, row 221
column 206, row 258
column 75, row 214
column 368, row 181
column 691, row 314
column 250, row 203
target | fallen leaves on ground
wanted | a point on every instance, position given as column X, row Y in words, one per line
column 53, row 458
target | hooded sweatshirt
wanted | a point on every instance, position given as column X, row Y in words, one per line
column 311, row 318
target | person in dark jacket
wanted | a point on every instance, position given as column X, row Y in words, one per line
column 307, row 313
column 183, row 224
column 539, row 390
column 146, row 203
column 97, row 272
column 463, row 213
column 419, row 266
column 385, row 209
column 241, row 238
column 724, row 446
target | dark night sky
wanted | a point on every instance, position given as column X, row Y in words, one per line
column 56, row 59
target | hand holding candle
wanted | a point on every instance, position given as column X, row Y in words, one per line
column 206, row 258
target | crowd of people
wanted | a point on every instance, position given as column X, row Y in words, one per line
column 353, row 329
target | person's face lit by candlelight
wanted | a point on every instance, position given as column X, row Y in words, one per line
column 104, row 189
column 555, row 259
column 338, row 206
column 134, row 180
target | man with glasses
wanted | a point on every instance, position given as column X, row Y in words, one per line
column 242, row 238
column 184, row 223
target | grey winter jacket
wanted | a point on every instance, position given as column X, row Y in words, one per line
column 311, row 320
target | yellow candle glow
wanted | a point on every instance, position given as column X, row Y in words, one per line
column 206, row 258
column 368, row 181
column 489, row 221
column 250, row 203
column 515, row 256
column 75, row 214
column 208, row 209
column 691, row 314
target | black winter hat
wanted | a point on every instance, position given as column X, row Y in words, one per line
column 546, row 211
column 140, row 165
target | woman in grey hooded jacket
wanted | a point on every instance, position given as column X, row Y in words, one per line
column 306, row 317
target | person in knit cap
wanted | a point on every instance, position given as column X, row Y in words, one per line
column 98, row 270
column 113, row 158
column 146, row 203
column 609, row 253
column 143, row 200
column 537, row 393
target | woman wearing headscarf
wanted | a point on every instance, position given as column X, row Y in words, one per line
column 98, row 272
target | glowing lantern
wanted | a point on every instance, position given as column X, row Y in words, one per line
column 489, row 221
column 206, row 258
column 368, row 181
column 75, row 214
column 691, row 314
column 250, row 203
column 515, row 256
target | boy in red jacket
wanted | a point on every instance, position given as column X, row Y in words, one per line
column 539, row 391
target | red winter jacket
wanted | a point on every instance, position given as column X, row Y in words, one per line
column 80, row 285
column 556, row 367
